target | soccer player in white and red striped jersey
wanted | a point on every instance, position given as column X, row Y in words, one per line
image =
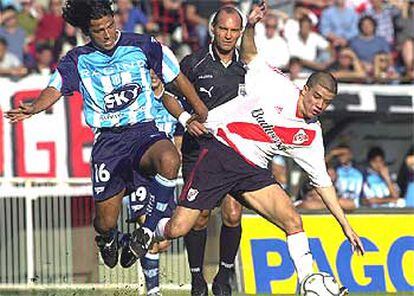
column 272, row 117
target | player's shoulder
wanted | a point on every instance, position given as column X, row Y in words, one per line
column 76, row 52
column 196, row 58
column 136, row 39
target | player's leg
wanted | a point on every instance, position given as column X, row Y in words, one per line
column 274, row 204
column 150, row 267
column 105, row 223
column 230, row 235
column 195, row 244
column 162, row 160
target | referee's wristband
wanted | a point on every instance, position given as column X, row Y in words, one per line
column 183, row 118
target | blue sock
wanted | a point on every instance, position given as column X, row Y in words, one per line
column 150, row 268
column 163, row 191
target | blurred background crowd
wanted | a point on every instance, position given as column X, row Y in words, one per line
column 364, row 41
column 359, row 41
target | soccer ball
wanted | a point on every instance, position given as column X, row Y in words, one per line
column 319, row 284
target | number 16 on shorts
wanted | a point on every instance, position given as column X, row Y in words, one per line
column 101, row 174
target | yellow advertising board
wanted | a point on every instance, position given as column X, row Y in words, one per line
column 387, row 266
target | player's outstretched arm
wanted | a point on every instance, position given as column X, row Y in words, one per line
column 330, row 199
column 188, row 91
column 248, row 47
column 47, row 98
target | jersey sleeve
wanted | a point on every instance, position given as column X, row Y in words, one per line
column 65, row 79
column 162, row 60
column 312, row 160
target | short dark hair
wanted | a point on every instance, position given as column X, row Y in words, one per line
column 375, row 152
column 3, row 41
column 304, row 20
column 228, row 10
column 324, row 79
column 79, row 13
column 364, row 18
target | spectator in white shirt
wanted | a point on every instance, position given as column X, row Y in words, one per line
column 271, row 45
column 306, row 45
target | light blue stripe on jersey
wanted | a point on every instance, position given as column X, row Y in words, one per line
column 56, row 81
column 171, row 67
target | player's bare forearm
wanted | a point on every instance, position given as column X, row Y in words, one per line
column 248, row 47
column 172, row 105
column 187, row 89
column 47, row 98
column 328, row 195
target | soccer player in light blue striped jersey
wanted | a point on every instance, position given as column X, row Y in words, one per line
column 112, row 72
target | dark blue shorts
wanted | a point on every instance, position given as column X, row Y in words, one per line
column 140, row 200
column 218, row 171
column 116, row 154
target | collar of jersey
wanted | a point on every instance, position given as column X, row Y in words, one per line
column 214, row 55
column 113, row 49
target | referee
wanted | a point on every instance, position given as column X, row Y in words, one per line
column 218, row 76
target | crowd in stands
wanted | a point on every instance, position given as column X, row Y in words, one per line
column 369, row 185
column 364, row 41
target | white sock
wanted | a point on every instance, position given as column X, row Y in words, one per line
column 298, row 246
column 159, row 231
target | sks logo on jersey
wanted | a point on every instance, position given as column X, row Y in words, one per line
column 300, row 137
column 122, row 97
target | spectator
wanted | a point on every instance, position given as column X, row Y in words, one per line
column 339, row 23
column 134, row 19
column 169, row 15
column 405, row 38
column 291, row 26
column 348, row 67
column 378, row 188
column 10, row 66
column 384, row 17
column 366, row 45
column 405, row 178
column 197, row 14
column 12, row 32
column 50, row 27
column 384, row 70
column 272, row 46
column 44, row 60
column 306, row 44
column 294, row 68
column 28, row 18
column 349, row 179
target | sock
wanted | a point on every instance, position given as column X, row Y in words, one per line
column 298, row 246
column 195, row 243
column 150, row 268
column 163, row 190
column 229, row 245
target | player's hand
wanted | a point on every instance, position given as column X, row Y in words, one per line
column 196, row 128
column 354, row 240
column 257, row 14
column 24, row 111
column 201, row 113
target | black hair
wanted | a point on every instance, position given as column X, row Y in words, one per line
column 324, row 79
column 294, row 60
column 228, row 10
column 3, row 41
column 79, row 13
column 364, row 18
column 305, row 19
column 41, row 47
column 375, row 152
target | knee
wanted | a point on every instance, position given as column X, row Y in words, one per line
column 175, row 230
column 104, row 224
column 202, row 220
column 169, row 164
column 232, row 217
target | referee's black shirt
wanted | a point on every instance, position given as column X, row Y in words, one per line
column 215, row 84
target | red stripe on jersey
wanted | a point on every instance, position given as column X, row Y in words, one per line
column 288, row 135
column 223, row 135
